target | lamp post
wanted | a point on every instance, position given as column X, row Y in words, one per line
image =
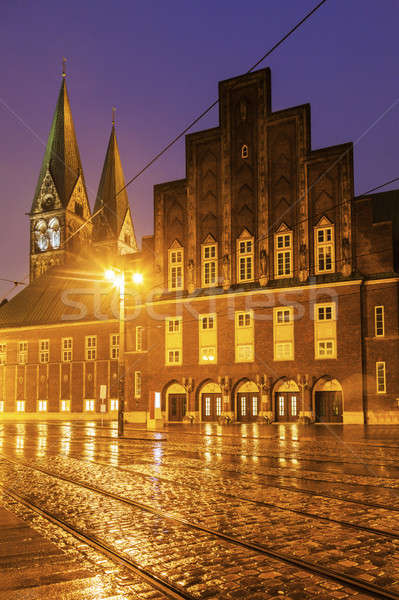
column 117, row 277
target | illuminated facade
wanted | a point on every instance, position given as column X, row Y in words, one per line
column 271, row 291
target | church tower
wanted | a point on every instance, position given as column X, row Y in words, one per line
column 113, row 230
column 60, row 205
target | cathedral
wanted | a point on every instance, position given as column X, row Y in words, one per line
column 269, row 294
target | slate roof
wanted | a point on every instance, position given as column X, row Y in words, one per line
column 61, row 158
column 111, row 193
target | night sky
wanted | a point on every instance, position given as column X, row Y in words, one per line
column 159, row 62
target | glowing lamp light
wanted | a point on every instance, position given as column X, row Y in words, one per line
column 137, row 278
column 110, row 275
column 211, row 357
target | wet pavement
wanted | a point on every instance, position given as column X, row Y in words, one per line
column 251, row 511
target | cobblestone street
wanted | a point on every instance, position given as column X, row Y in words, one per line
column 204, row 511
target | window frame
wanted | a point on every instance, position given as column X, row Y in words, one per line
column 90, row 349
column 139, row 333
column 322, row 245
column 382, row 324
column 114, row 346
column 138, row 381
column 283, row 251
column 245, row 256
column 23, row 353
column 65, row 351
column 380, row 363
column 205, row 261
column 44, row 352
column 3, row 353
column 174, row 264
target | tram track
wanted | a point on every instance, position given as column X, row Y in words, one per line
column 321, row 494
column 344, row 579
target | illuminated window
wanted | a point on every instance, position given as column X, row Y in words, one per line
column 325, row 312
column 380, row 377
column 42, row 405
column 173, row 357
column 137, row 384
column 218, row 406
column 22, row 352
column 174, row 325
column 113, row 404
column 209, row 265
column 294, row 406
column 3, row 354
column 65, row 405
column 90, row 405
column 379, row 321
column 325, row 349
column 245, row 353
column 1, row 405
column 54, row 233
column 243, row 406
column 67, row 349
column 283, row 333
column 176, row 266
column 244, row 336
column 44, row 346
column 281, row 406
column 243, row 319
column 324, row 249
column 255, row 406
column 207, row 406
column 245, row 260
column 139, row 338
column 114, row 345
column 208, row 354
column 283, row 255
column 208, row 321
column 20, row 405
column 91, row 347
column 244, row 151
column 207, row 339
column 173, row 340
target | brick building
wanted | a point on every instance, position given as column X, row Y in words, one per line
column 270, row 290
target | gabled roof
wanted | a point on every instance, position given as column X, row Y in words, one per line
column 61, row 158
column 111, row 194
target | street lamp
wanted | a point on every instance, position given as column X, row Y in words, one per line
column 117, row 277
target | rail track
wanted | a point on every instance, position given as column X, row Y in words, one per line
column 166, row 586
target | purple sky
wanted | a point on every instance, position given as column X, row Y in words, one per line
column 159, row 63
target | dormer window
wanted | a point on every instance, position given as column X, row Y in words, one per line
column 244, row 151
column 176, row 267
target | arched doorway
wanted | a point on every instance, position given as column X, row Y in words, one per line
column 287, row 399
column 176, row 402
column 211, row 400
column 328, row 401
column 248, row 402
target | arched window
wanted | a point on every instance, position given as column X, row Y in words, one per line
column 244, row 151
column 54, row 232
column 41, row 236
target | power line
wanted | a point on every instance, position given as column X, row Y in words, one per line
column 380, row 186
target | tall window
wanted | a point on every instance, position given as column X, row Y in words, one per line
column 324, row 249
column 209, row 265
column 65, row 405
column 67, row 349
column 283, row 255
column 114, row 345
column 44, row 346
column 380, row 377
column 42, row 405
column 90, row 405
column 3, row 354
column 244, row 336
column 379, row 321
column 20, row 405
column 173, row 341
column 22, row 352
column 245, row 260
column 176, row 265
column 139, row 338
column 91, row 347
column 137, row 384
column 325, row 331
column 244, row 151
column 207, row 339
column 283, row 332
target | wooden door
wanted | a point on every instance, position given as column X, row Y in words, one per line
column 287, row 406
column 211, row 406
column 177, row 407
column 329, row 407
column 248, row 405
